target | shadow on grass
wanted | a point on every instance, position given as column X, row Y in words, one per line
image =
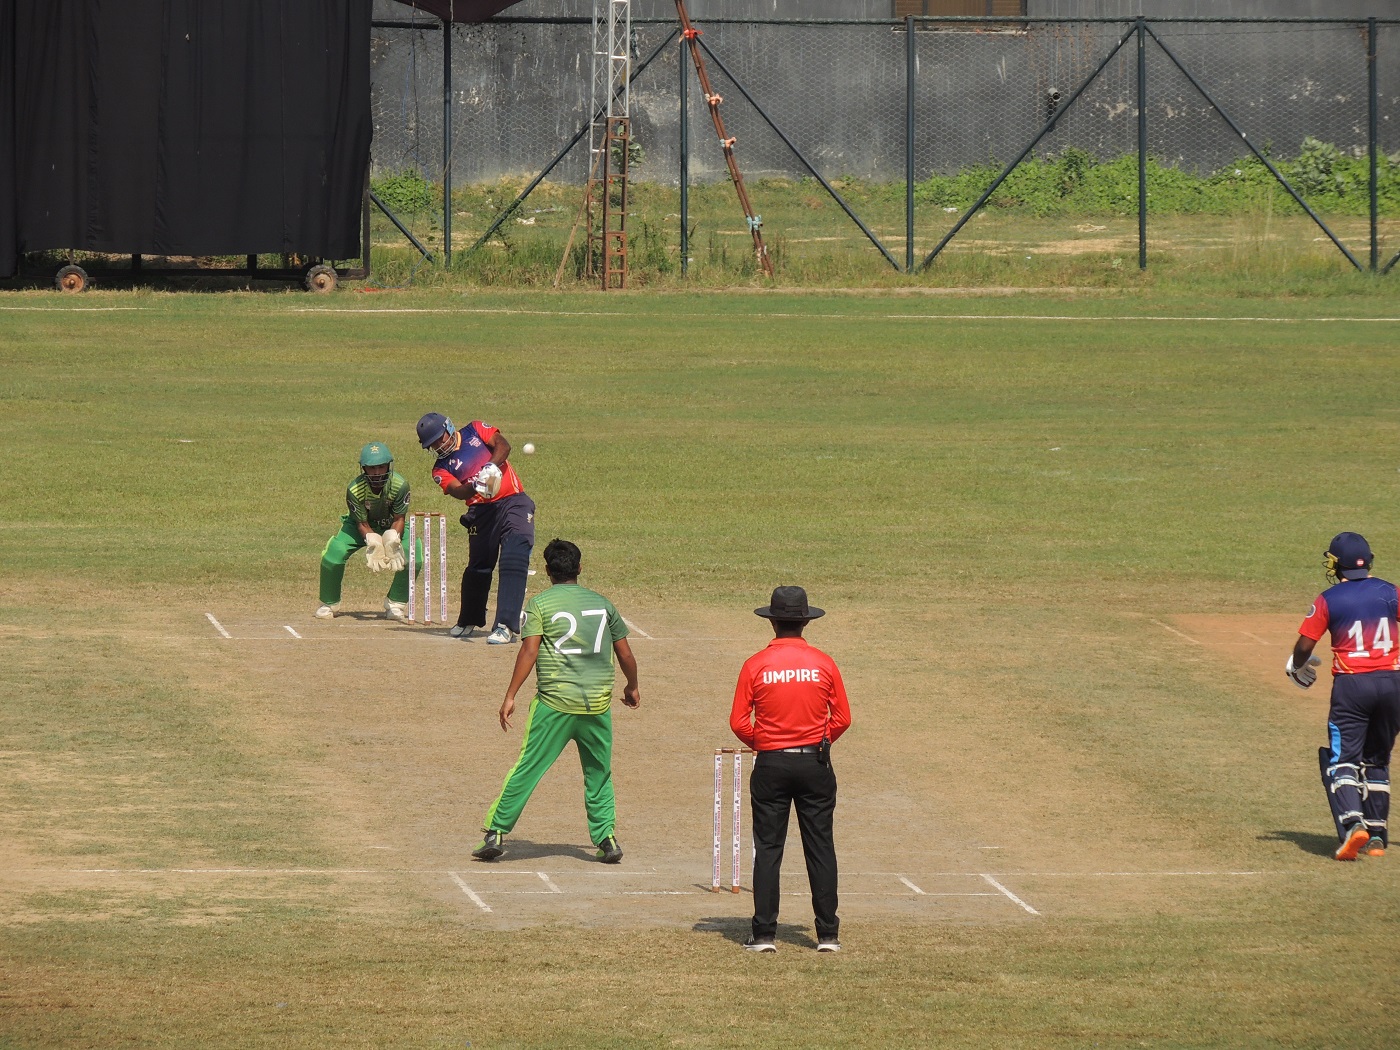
column 1307, row 841
column 737, row 929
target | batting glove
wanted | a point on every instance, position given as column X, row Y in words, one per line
column 487, row 481
column 1304, row 676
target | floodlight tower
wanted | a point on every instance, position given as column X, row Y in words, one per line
column 610, row 141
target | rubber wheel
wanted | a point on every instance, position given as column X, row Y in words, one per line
column 321, row 280
column 71, row 279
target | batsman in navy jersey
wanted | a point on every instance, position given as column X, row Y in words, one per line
column 1360, row 614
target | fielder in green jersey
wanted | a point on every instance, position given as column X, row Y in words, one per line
column 570, row 637
column 377, row 502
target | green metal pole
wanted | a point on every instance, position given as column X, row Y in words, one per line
column 1142, row 142
column 447, row 144
column 683, row 57
column 911, row 61
column 1372, row 133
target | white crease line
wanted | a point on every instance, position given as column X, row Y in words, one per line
column 911, row 886
column 1255, row 637
column 291, row 632
column 634, row 627
column 469, row 891
column 1010, row 895
column 658, row 893
column 217, row 625
column 1169, row 627
column 544, row 877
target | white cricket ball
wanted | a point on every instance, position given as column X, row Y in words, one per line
column 528, row 448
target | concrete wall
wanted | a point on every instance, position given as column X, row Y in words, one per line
column 521, row 92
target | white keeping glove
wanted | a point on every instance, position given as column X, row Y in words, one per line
column 394, row 559
column 1304, row 676
column 488, row 481
column 374, row 551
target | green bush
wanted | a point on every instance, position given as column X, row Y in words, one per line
column 406, row 192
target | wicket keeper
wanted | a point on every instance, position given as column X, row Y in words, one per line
column 376, row 500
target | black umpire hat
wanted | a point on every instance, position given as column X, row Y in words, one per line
column 789, row 603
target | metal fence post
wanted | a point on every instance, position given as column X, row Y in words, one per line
column 447, row 144
column 684, row 92
column 911, row 61
column 1372, row 133
column 1142, row 141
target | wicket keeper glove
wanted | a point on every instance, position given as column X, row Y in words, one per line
column 488, row 481
column 1303, row 676
column 394, row 559
column 374, row 551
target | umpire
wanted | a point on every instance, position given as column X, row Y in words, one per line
column 789, row 705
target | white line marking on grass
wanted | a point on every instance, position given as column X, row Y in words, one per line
column 1009, row 894
column 469, row 891
column 912, row 886
column 72, row 309
column 1255, row 637
column 544, row 877
column 1169, row 627
column 1121, row 317
column 217, row 625
column 291, row 632
column 440, row 310
column 634, row 627
column 658, row 893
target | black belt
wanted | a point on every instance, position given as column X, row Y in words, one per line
column 809, row 749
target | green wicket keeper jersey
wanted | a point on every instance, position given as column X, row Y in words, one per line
column 377, row 509
column 577, row 628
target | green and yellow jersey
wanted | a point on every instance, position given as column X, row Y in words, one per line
column 577, row 628
column 378, row 510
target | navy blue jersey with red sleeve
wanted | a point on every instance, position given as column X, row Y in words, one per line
column 1361, row 617
column 471, row 454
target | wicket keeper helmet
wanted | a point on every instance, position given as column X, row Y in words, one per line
column 376, row 454
column 432, row 427
column 1348, row 557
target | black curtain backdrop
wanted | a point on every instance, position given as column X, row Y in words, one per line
column 183, row 127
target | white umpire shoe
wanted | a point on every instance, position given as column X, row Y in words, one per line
column 502, row 635
column 395, row 610
column 327, row 612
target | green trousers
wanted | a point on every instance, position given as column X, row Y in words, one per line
column 547, row 731
column 338, row 550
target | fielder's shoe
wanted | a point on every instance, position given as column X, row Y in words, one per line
column 828, row 944
column 395, row 610
column 1376, row 847
column 492, row 846
column 458, row 631
column 760, row 944
column 327, row 612
column 502, row 635
column 609, row 850
column 1354, row 843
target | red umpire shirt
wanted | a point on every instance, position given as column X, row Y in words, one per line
column 789, row 695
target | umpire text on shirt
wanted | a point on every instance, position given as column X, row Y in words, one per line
column 789, row 706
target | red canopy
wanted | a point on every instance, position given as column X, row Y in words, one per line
column 462, row 10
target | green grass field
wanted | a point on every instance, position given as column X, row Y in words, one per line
column 1064, row 541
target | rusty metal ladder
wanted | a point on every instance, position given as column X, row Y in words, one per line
column 690, row 34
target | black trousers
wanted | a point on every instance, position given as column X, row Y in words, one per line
column 504, row 529
column 781, row 781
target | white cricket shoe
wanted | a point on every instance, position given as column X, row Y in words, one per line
column 395, row 610
column 502, row 635
column 458, row 631
column 327, row 612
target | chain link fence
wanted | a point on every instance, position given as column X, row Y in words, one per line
column 853, row 134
